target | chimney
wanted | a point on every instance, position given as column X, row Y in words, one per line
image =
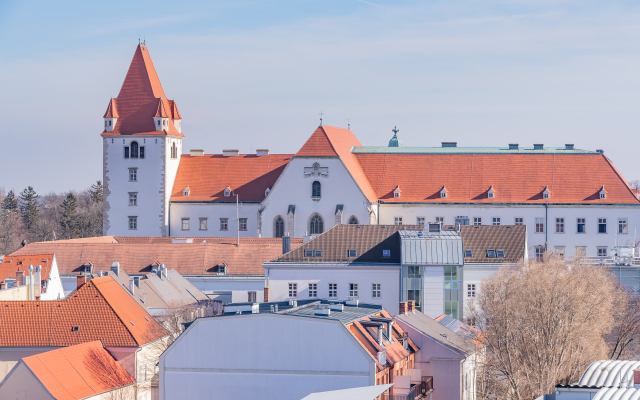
column 196, row 152
column 115, row 268
column 262, row 152
column 449, row 144
column 19, row 278
column 513, row 146
column 3, row 285
column 568, row 146
column 380, row 337
column 37, row 282
column 538, row 146
column 411, row 305
column 267, row 294
column 636, row 378
column 81, row 279
column 403, row 307
column 132, row 286
column 230, row 153
column 286, row 244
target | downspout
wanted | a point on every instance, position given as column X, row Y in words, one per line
column 546, row 231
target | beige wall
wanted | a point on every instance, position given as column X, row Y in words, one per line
column 23, row 385
column 9, row 357
column 15, row 293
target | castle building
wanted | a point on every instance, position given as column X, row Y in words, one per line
column 572, row 200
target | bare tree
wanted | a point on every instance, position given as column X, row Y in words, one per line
column 543, row 323
column 110, row 375
column 623, row 340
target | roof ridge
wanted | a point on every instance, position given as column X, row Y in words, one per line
column 619, row 175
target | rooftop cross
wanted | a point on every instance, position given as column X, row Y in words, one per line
column 321, row 117
column 395, row 130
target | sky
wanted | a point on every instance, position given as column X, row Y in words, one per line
column 256, row 74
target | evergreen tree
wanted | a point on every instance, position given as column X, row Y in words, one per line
column 29, row 208
column 96, row 192
column 69, row 217
column 10, row 203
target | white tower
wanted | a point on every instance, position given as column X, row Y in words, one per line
column 142, row 144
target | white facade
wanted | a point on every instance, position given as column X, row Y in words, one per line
column 138, row 188
column 195, row 213
column 263, row 356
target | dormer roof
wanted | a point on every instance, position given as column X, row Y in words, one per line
column 163, row 111
column 602, row 190
column 112, row 111
column 175, row 114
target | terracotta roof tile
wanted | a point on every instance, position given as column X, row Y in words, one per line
column 162, row 111
column 479, row 239
column 247, row 175
column 101, row 309
column 175, row 114
column 11, row 264
column 112, row 110
column 78, row 372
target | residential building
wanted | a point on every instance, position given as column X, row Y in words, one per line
column 98, row 310
column 288, row 350
column 363, row 393
column 83, row 371
column 604, row 379
column 30, row 277
column 570, row 199
column 448, row 353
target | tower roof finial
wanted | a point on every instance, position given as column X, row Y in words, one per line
column 321, row 117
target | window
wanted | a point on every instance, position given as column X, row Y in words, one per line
column 141, row 151
column 278, row 227
column 581, row 250
column 353, row 220
column 185, row 224
column 500, row 253
column 203, row 224
column 602, row 225
column 133, row 199
column 375, row 290
column 174, row 150
column 559, row 250
column 224, row 224
column 243, row 224
column 386, row 253
column 440, row 220
column 308, row 253
column 293, row 290
column 622, row 225
column 496, row 220
column 316, row 190
column 317, row 253
column 443, row 194
column 352, row 253
column 313, row 290
column 134, row 149
column 559, row 225
column 603, row 195
column 545, row 194
column 227, row 192
column 251, row 297
column 539, row 225
column 581, row 225
column 602, row 251
column 477, row 220
column 468, row 253
column 126, row 152
column 186, row 192
column 133, row 223
column 397, row 220
column 539, row 253
column 353, row 290
column 222, row 269
column 333, row 290
column 491, row 254
column 471, row 290
column 490, row 194
column 133, row 174
column 519, row 221
column 316, row 225
column 420, row 221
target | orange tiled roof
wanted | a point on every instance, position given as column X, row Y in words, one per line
column 11, row 264
column 137, row 102
column 248, row 175
column 137, row 255
column 478, row 340
column 112, row 110
column 101, row 309
column 175, row 114
column 77, row 372
column 516, row 178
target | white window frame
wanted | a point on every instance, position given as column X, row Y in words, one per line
column 243, row 224
column 376, row 290
column 421, row 221
column 440, row 220
column 600, row 222
column 516, row 222
column 602, row 249
column 133, row 223
column 495, row 221
column 471, row 290
column 333, row 290
column 623, row 226
column 183, row 224
column 133, row 199
column 397, row 220
column 224, row 222
column 133, row 173
column 539, row 227
column 293, row 290
column 584, row 225
column 539, row 253
column 313, row 290
column 353, row 290
column 560, row 225
column 204, row 227
column 477, row 220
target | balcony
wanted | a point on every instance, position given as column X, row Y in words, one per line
column 418, row 390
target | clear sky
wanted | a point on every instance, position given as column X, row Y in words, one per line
column 255, row 74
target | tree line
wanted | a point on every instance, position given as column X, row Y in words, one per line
column 28, row 217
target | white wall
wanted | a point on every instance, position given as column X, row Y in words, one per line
column 9, row 356
column 293, row 188
column 22, row 384
column 364, row 276
column 263, row 356
column 433, row 291
column 55, row 289
column 213, row 212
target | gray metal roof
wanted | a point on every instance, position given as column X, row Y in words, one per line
column 609, row 373
column 361, row 393
column 426, row 248
column 439, row 333
column 465, row 150
column 617, row 394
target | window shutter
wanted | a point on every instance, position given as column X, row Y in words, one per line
column 126, row 152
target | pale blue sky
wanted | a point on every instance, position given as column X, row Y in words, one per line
column 255, row 74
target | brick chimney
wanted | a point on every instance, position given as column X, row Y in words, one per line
column 19, row 278
column 81, row 280
column 411, row 305
column 403, row 307
column 267, row 294
column 636, row 378
column 3, row 285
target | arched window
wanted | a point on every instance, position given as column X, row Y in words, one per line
column 316, row 225
column 353, row 220
column 315, row 189
column 278, row 227
column 134, row 149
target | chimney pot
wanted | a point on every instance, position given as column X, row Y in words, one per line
column 262, row 152
column 3, row 285
column 81, row 280
column 230, row 153
column 19, row 278
column 196, row 152
column 403, row 307
column 411, row 305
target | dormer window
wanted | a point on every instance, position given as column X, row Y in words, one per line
column 227, row 192
column 491, row 193
column 603, row 193
column 158, row 122
column 396, row 192
column 546, row 193
column 186, row 191
column 443, row 193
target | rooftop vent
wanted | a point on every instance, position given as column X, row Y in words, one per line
column 75, row 329
column 449, row 144
column 293, row 303
column 599, row 151
column 568, row 146
column 325, row 312
column 434, row 228
column 181, row 240
column 353, row 303
column 336, row 307
column 513, row 146
column 230, row 153
column 254, row 308
column 538, row 146
column 196, row 152
column 262, row 152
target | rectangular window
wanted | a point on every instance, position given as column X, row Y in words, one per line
column 224, row 224
column 317, row 253
column 539, row 253
column 559, row 225
column 468, row 253
column 251, row 297
column 602, row 251
column 376, row 290
column 519, row 221
column 496, row 220
column 559, row 250
column 313, row 290
column 133, row 174
column 133, row 223
column 203, row 224
column 293, row 290
column 386, row 253
column 477, row 220
column 500, row 253
column 185, row 224
column 581, row 250
column 622, row 225
column 581, row 225
column 308, row 253
column 353, row 253
column 602, row 225
column 133, row 199
column 471, row 290
column 353, row 290
column 440, row 220
column 397, row 220
column 126, row 152
column 539, row 225
column 243, row 224
column 491, row 254
column 420, row 221
column 141, row 151
column 333, row 290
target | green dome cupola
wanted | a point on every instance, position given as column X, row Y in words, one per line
column 395, row 142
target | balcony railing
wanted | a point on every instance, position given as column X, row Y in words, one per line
column 419, row 389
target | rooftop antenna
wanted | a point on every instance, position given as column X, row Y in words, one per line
column 321, row 117
column 138, row 39
column 348, row 124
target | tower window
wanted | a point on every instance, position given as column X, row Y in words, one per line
column 316, row 189
column 203, row 224
column 133, row 199
column 133, row 223
column 243, row 224
column 174, row 150
column 278, row 227
column 133, row 174
column 316, row 225
column 134, row 149
column 109, row 122
column 158, row 122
